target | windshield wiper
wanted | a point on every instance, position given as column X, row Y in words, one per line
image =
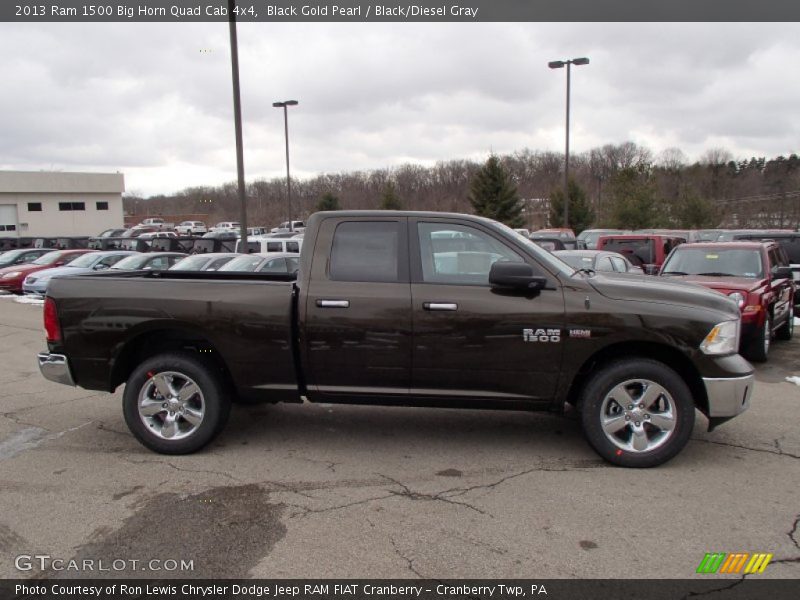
column 718, row 274
column 673, row 273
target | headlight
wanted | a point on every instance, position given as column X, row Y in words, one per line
column 739, row 298
column 722, row 339
column 12, row 274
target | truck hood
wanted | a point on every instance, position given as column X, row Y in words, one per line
column 663, row 290
column 722, row 284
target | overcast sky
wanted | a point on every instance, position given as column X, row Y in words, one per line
column 154, row 101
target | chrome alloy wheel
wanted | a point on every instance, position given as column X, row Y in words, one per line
column 171, row 405
column 638, row 415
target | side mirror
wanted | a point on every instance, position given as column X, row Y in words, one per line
column 100, row 267
column 60, row 263
column 652, row 269
column 516, row 276
column 783, row 273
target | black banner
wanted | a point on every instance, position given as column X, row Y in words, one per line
column 400, row 11
column 745, row 588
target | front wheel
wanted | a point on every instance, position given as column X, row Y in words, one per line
column 786, row 331
column 174, row 403
column 637, row 413
column 758, row 349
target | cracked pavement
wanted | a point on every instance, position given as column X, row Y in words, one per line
column 345, row 491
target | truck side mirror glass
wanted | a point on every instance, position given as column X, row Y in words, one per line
column 516, row 276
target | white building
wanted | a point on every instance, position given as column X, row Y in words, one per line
column 48, row 204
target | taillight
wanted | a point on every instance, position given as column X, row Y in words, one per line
column 52, row 327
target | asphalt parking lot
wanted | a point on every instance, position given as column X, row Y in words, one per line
column 339, row 491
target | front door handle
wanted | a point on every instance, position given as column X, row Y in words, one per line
column 440, row 306
column 333, row 303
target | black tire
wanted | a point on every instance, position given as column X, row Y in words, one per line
column 188, row 433
column 758, row 348
column 599, row 402
column 786, row 331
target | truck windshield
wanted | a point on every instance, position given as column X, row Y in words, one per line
column 715, row 262
column 638, row 251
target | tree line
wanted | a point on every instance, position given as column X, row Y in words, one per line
column 616, row 185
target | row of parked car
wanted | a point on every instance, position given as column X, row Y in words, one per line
column 756, row 269
column 164, row 242
column 157, row 227
column 29, row 271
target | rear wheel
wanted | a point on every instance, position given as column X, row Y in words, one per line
column 175, row 403
column 637, row 413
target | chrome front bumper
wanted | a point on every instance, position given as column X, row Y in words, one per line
column 728, row 397
column 55, row 367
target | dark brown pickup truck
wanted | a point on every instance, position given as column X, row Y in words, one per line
column 405, row 308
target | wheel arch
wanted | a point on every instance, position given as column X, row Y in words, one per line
column 162, row 340
column 669, row 356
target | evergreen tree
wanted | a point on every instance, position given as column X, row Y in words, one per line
column 493, row 195
column 695, row 212
column 633, row 200
column 389, row 199
column 581, row 214
column 329, row 202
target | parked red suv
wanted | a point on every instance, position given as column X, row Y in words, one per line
column 756, row 275
column 642, row 250
column 11, row 278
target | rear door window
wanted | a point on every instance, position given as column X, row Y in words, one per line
column 604, row 264
column 366, row 251
column 619, row 264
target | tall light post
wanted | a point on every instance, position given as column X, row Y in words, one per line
column 559, row 64
column 284, row 105
column 237, row 123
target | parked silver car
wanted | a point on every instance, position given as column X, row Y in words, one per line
column 36, row 283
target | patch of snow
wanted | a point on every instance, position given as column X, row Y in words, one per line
column 795, row 380
column 29, row 300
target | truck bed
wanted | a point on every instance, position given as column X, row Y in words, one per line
column 247, row 318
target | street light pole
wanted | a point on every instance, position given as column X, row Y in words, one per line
column 560, row 64
column 237, row 122
column 284, row 105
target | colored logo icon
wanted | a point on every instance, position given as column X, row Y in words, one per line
column 734, row 562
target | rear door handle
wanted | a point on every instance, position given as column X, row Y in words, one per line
column 333, row 303
column 440, row 306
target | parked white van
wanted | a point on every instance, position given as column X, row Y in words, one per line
column 266, row 245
